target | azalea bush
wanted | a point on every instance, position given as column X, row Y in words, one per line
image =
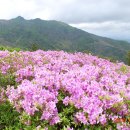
column 56, row 90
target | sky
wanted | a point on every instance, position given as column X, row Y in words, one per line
column 109, row 18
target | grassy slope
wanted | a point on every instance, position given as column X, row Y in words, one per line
column 55, row 35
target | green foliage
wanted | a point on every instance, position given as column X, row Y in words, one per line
column 124, row 69
column 7, row 79
column 10, row 119
column 11, row 49
column 128, row 58
column 34, row 47
column 87, row 51
column 8, row 116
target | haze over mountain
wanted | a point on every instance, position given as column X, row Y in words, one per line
column 54, row 35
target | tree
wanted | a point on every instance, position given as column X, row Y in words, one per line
column 128, row 58
column 34, row 47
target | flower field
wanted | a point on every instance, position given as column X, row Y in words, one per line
column 56, row 90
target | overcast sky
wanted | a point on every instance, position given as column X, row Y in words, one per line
column 109, row 18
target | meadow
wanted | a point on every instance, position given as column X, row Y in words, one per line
column 56, row 90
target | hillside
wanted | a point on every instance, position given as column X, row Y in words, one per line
column 55, row 35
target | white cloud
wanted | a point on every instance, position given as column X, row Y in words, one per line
column 102, row 17
column 116, row 30
column 13, row 8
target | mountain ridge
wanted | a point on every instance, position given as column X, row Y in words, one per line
column 57, row 35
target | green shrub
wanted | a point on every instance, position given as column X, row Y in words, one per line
column 8, row 116
column 11, row 49
column 7, row 79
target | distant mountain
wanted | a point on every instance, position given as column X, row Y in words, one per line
column 55, row 35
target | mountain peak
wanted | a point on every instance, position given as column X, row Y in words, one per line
column 57, row 35
column 38, row 19
column 19, row 18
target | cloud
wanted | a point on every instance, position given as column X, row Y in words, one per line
column 12, row 8
column 115, row 30
column 70, row 11
column 79, row 11
column 102, row 17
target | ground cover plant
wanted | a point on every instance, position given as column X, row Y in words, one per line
column 56, row 90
